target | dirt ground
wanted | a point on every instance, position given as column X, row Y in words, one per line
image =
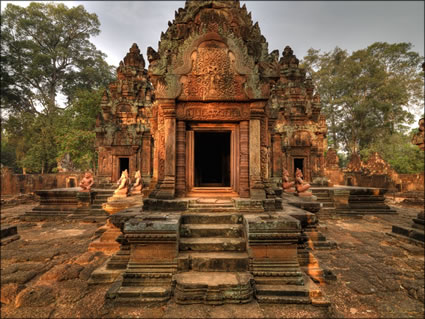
column 45, row 273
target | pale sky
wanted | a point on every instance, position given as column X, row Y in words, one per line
column 351, row 25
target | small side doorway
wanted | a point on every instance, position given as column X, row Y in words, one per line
column 298, row 163
column 124, row 164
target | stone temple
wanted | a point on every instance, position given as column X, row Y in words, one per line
column 211, row 124
column 215, row 113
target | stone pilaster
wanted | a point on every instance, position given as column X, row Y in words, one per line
column 244, row 160
column 277, row 155
column 167, row 185
column 255, row 182
column 146, row 157
column 181, row 159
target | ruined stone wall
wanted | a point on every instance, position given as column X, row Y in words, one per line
column 407, row 182
column 378, row 181
column 412, row 182
column 335, row 176
column 14, row 184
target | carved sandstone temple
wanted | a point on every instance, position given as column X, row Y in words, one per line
column 216, row 114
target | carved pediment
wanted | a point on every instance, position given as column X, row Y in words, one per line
column 213, row 75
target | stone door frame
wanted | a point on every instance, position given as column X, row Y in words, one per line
column 233, row 189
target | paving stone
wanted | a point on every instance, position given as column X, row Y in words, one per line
column 9, row 292
column 36, row 296
column 63, row 272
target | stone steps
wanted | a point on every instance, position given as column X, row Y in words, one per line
column 281, row 290
column 214, row 288
column 281, row 293
column 276, row 272
column 215, row 218
column 282, row 299
column 409, row 232
column 324, row 197
column 212, row 210
column 211, row 230
column 212, row 205
column 212, row 244
column 134, row 296
column 214, row 261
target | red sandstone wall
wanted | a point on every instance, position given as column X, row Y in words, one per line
column 412, row 182
column 335, row 176
column 408, row 182
column 13, row 184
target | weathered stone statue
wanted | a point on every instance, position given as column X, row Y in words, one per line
column 300, row 185
column 123, row 185
column 87, row 182
column 138, row 184
column 286, row 184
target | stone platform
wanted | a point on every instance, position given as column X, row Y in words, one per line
column 9, row 233
column 242, row 205
column 217, row 257
column 414, row 233
column 352, row 200
column 69, row 204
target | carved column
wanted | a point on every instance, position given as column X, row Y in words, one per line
column 146, row 157
column 277, row 155
column 264, row 154
column 244, row 160
column 255, row 182
column 181, row 159
column 167, row 186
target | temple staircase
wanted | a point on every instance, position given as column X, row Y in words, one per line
column 324, row 197
column 96, row 213
column 213, row 263
column 279, row 281
column 211, row 205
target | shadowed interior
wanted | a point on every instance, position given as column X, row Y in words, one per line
column 212, row 159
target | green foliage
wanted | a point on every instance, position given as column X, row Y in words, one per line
column 77, row 136
column 398, row 151
column 368, row 95
column 46, row 52
column 8, row 156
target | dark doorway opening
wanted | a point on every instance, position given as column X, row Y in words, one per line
column 298, row 163
column 71, row 182
column 124, row 165
column 212, row 159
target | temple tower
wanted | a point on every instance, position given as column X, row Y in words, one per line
column 216, row 114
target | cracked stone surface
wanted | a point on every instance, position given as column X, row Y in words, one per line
column 45, row 273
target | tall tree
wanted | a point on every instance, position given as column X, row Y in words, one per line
column 369, row 95
column 77, row 134
column 46, row 52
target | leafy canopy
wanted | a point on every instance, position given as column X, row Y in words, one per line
column 47, row 53
column 369, row 95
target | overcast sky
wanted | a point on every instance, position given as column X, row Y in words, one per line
column 351, row 25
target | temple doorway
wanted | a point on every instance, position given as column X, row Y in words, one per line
column 298, row 163
column 124, row 165
column 212, row 159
